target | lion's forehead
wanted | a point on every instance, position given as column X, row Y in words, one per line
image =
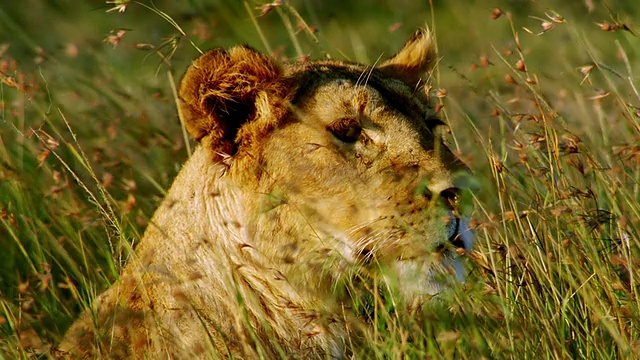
column 342, row 78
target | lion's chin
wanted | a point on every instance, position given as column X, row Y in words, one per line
column 413, row 278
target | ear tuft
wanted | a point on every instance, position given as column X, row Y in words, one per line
column 219, row 91
column 414, row 60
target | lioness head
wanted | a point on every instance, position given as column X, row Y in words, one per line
column 339, row 162
column 307, row 174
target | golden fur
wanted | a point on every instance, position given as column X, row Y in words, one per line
column 304, row 172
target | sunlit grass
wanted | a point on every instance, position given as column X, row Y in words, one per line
column 547, row 117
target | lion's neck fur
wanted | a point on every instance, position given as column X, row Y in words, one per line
column 222, row 253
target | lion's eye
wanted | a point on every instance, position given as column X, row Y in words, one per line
column 346, row 129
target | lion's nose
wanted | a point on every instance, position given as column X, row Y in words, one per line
column 451, row 196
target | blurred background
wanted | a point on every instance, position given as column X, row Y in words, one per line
column 541, row 97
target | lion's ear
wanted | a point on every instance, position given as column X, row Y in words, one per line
column 413, row 61
column 223, row 90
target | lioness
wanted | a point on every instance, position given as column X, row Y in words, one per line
column 304, row 172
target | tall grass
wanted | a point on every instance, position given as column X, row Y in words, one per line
column 543, row 103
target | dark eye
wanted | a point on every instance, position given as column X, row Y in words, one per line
column 346, row 129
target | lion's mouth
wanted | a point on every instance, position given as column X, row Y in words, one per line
column 433, row 270
column 455, row 238
column 458, row 241
column 461, row 235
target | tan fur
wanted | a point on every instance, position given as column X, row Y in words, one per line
column 304, row 172
column 412, row 62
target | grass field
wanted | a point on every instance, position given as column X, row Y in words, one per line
column 542, row 100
